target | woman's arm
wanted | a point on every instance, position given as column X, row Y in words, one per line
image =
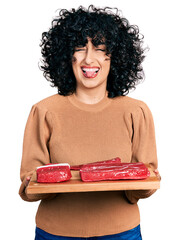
column 143, row 146
column 35, row 149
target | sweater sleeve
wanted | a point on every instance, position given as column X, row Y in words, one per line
column 143, row 146
column 35, row 148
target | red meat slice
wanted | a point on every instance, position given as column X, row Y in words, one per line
column 114, row 172
column 101, row 163
column 52, row 173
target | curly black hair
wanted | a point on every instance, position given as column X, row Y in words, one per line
column 72, row 28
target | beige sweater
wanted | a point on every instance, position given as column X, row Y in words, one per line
column 64, row 130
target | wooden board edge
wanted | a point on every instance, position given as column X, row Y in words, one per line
column 77, row 186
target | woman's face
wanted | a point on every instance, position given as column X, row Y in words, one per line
column 91, row 65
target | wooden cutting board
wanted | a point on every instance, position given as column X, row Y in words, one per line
column 75, row 184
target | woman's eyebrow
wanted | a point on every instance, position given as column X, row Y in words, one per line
column 100, row 45
column 96, row 45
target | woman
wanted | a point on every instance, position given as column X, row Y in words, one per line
column 93, row 56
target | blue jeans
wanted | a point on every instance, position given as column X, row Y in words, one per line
column 133, row 234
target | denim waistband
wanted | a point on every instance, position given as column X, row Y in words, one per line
column 132, row 234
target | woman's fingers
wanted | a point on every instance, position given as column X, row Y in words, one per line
column 27, row 181
column 157, row 173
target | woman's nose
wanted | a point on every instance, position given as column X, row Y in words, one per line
column 89, row 57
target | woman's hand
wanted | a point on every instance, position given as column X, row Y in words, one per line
column 27, row 181
column 157, row 174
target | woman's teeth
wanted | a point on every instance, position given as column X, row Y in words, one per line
column 90, row 69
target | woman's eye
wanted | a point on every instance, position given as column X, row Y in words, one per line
column 99, row 49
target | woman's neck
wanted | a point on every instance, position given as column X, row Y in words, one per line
column 90, row 96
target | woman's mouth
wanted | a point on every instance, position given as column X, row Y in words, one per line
column 90, row 72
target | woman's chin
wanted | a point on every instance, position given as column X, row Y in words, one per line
column 90, row 83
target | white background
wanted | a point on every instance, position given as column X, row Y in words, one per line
column 22, row 85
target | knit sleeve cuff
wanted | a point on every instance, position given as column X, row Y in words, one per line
column 133, row 196
column 33, row 197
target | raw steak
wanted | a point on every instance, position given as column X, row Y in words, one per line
column 101, row 163
column 114, row 172
column 53, row 173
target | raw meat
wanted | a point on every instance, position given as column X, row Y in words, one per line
column 114, row 172
column 101, row 163
column 51, row 173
